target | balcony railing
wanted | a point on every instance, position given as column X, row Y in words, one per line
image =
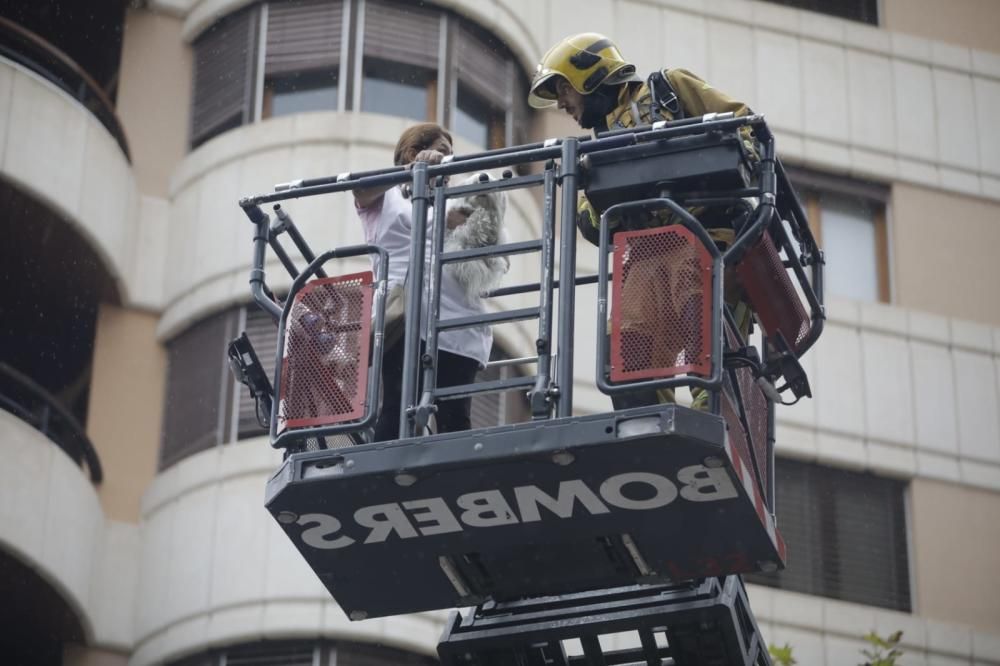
column 33, row 52
column 31, row 403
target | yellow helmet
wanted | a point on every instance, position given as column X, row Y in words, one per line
column 585, row 61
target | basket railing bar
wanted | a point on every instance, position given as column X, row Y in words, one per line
column 569, row 168
column 414, row 287
column 484, row 161
column 429, row 358
column 529, row 287
column 539, row 398
column 374, row 370
column 286, row 261
column 284, row 223
column 328, row 180
column 506, row 362
column 258, row 284
column 507, row 249
column 501, row 185
column 501, row 317
column 478, row 388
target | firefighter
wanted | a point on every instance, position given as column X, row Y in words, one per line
column 587, row 77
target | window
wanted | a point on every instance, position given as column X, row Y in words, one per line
column 205, row 407
column 865, row 11
column 198, row 387
column 305, row 653
column 846, row 535
column 397, row 89
column 300, row 92
column 301, row 56
column 849, row 221
column 223, row 70
column 382, row 56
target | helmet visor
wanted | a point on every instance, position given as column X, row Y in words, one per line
column 543, row 89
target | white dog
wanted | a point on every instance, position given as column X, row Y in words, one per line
column 477, row 221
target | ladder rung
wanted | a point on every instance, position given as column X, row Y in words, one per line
column 490, row 318
column 492, row 251
column 465, row 390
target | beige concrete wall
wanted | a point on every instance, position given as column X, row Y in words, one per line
column 126, row 405
column 79, row 655
column 154, row 96
column 956, row 538
column 971, row 23
column 944, row 253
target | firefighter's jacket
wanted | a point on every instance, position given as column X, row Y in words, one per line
column 636, row 107
column 661, row 288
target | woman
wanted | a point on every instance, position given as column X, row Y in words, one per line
column 386, row 215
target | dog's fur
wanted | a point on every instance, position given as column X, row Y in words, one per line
column 483, row 227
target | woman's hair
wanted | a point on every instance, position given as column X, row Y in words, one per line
column 417, row 138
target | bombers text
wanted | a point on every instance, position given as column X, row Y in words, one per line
column 630, row 491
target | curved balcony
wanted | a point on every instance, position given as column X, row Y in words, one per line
column 216, row 570
column 50, row 516
column 24, row 398
column 209, row 243
column 55, row 152
column 36, row 54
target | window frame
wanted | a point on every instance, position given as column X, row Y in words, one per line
column 812, row 185
column 875, row 6
column 454, row 32
column 818, row 492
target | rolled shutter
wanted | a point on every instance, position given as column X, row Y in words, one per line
column 303, row 35
column 401, row 33
column 846, row 535
column 223, row 73
column 195, row 392
column 483, row 67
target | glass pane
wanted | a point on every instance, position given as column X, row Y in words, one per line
column 472, row 119
column 396, row 89
column 298, row 93
column 849, row 243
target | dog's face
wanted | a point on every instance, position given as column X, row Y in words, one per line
column 493, row 204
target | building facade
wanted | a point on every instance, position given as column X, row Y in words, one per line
column 131, row 521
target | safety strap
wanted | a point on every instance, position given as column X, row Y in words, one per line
column 663, row 95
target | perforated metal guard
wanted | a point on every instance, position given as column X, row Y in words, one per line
column 661, row 305
column 755, row 404
column 737, row 434
column 771, row 293
column 324, row 371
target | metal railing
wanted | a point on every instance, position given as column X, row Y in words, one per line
column 29, row 50
column 25, row 399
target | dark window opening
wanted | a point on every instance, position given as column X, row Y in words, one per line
column 865, row 11
column 846, row 535
column 397, row 89
column 475, row 120
column 300, row 92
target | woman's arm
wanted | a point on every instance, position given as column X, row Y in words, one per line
column 368, row 196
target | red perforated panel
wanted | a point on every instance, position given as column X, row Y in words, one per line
column 755, row 404
column 324, row 372
column 771, row 293
column 661, row 309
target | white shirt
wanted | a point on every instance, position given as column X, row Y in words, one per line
column 388, row 223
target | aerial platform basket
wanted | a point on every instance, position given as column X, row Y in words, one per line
column 655, row 509
column 528, row 509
